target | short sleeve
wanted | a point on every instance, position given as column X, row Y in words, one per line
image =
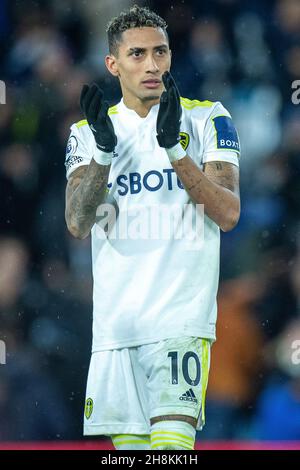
column 77, row 151
column 221, row 140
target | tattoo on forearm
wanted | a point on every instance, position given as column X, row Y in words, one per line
column 216, row 187
column 223, row 174
column 196, row 184
column 86, row 193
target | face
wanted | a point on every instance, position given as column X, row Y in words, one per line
column 143, row 57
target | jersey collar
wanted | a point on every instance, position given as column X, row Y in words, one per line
column 135, row 115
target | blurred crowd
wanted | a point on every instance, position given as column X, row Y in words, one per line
column 245, row 54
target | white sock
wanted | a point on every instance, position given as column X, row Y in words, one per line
column 172, row 435
column 131, row 442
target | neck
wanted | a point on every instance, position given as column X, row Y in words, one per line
column 141, row 107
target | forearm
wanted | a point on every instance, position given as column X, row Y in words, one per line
column 220, row 203
column 82, row 205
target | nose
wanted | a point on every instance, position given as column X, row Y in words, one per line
column 152, row 66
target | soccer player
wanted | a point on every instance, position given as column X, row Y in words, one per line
column 154, row 301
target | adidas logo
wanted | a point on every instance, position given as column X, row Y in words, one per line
column 189, row 396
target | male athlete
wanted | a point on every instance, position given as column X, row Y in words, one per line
column 154, row 300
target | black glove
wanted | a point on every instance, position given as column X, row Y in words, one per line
column 95, row 111
column 169, row 114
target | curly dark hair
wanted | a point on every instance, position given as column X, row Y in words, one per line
column 135, row 17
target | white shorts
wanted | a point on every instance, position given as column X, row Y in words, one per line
column 126, row 387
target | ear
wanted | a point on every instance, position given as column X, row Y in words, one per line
column 111, row 64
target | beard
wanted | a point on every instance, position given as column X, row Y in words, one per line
column 150, row 98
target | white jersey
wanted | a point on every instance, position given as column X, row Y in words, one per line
column 148, row 286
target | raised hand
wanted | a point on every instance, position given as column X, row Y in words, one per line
column 169, row 114
column 95, row 110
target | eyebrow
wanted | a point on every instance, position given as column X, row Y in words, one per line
column 143, row 49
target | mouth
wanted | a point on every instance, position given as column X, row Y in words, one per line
column 152, row 83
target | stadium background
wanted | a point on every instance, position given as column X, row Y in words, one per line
column 243, row 53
